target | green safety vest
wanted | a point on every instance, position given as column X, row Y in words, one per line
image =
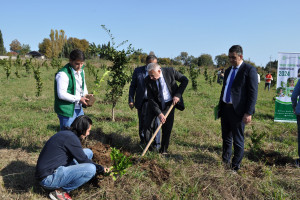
column 62, row 107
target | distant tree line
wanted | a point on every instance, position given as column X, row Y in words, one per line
column 2, row 48
column 58, row 45
column 16, row 47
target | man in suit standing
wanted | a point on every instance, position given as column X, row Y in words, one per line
column 138, row 97
column 162, row 92
column 237, row 105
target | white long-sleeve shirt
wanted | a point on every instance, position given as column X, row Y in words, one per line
column 62, row 81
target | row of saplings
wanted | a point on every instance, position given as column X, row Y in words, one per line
column 17, row 65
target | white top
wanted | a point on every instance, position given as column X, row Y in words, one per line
column 166, row 92
column 62, row 81
column 145, row 96
column 227, row 82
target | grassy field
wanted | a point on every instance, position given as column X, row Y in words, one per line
column 193, row 170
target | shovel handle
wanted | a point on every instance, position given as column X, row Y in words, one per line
column 155, row 133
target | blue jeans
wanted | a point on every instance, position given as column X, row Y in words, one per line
column 67, row 121
column 71, row 176
column 298, row 123
column 267, row 85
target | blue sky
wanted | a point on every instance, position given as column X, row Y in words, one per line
column 262, row 27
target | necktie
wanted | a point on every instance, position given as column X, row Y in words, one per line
column 227, row 99
column 146, row 74
column 161, row 95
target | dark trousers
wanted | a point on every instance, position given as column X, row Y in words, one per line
column 167, row 127
column 298, row 123
column 232, row 129
column 267, row 85
column 143, row 118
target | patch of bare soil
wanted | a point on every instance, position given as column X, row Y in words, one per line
column 254, row 171
column 101, row 180
column 102, row 157
column 275, row 158
column 271, row 158
column 102, row 154
column 119, row 141
column 157, row 173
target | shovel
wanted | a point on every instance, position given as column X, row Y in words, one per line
column 155, row 133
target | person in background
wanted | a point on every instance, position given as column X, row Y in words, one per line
column 162, row 92
column 63, row 165
column 280, row 93
column 236, row 106
column 258, row 76
column 220, row 76
column 296, row 108
column 138, row 97
column 70, row 89
column 268, row 79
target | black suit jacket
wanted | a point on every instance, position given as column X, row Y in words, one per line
column 243, row 91
column 170, row 76
column 137, row 87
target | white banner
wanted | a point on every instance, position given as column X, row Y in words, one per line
column 288, row 73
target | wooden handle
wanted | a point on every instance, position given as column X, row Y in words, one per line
column 155, row 133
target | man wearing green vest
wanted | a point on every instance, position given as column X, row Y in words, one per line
column 70, row 90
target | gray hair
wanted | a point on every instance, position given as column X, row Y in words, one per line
column 153, row 66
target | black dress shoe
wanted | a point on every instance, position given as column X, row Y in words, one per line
column 235, row 168
column 163, row 151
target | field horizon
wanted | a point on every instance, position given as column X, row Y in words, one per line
column 192, row 170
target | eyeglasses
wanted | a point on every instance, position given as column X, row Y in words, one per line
column 232, row 57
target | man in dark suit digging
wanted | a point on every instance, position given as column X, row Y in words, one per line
column 162, row 92
column 138, row 97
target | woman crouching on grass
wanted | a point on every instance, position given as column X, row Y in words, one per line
column 63, row 165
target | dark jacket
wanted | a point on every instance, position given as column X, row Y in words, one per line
column 243, row 91
column 137, row 87
column 170, row 76
column 58, row 151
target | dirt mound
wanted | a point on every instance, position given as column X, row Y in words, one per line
column 102, row 154
column 102, row 157
column 155, row 171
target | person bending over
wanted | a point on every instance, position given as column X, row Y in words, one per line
column 63, row 165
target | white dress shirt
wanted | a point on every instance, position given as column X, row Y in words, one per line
column 227, row 82
column 62, row 81
column 145, row 96
column 166, row 92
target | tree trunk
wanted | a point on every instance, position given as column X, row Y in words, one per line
column 113, row 112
